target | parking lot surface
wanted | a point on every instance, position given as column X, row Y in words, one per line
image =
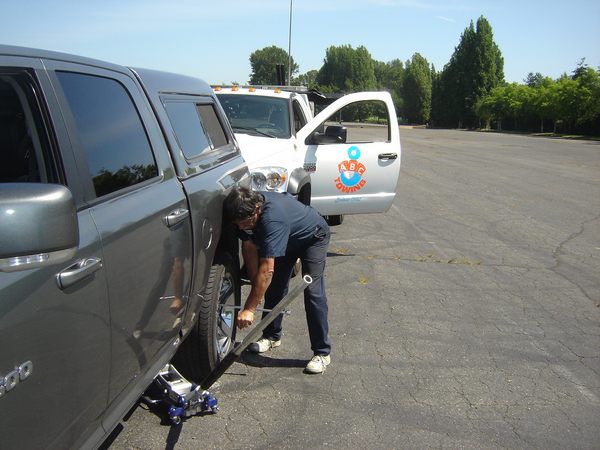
column 468, row 316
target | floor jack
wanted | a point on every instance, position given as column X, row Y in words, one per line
column 185, row 398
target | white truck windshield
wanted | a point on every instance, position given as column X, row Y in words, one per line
column 254, row 114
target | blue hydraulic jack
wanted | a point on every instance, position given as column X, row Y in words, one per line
column 185, row 398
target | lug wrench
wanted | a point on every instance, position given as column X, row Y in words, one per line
column 228, row 307
column 234, row 354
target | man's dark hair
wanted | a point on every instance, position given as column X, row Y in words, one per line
column 241, row 203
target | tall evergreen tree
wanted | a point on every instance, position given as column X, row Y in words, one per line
column 417, row 90
column 475, row 68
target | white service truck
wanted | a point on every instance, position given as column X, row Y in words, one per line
column 346, row 160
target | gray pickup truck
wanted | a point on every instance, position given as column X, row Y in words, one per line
column 114, row 259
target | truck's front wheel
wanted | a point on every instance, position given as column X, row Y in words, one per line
column 213, row 334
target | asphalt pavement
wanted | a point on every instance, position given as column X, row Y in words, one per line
column 467, row 316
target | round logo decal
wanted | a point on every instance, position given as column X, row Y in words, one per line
column 351, row 172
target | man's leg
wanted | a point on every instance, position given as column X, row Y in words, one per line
column 276, row 291
column 315, row 298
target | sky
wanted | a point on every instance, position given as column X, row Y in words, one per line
column 213, row 40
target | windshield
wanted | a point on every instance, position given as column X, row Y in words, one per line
column 253, row 114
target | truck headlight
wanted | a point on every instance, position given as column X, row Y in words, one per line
column 269, row 179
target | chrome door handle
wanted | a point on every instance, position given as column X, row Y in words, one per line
column 78, row 271
column 176, row 217
column 388, row 155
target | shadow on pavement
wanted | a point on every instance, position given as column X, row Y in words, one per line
column 255, row 360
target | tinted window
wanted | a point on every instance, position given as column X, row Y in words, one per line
column 192, row 123
column 212, row 125
column 24, row 148
column 110, row 131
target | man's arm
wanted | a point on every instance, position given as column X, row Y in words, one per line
column 250, row 255
column 260, row 271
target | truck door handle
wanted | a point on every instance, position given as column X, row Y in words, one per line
column 78, row 271
column 388, row 155
column 176, row 217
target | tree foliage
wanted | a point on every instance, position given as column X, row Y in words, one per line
column 570, row 104
column 417, row 90
column 308, row 79
column 390, row 77
column 475, row 68
column 469, row 92
column 264, row 62
column 346, row 69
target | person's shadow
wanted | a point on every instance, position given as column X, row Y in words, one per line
column 256, row 360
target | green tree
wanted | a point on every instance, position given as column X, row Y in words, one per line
column 390, row 77
column 589, row 97
column 264, row 62
column 534, row 80
column 568, row 102
column 510, row 102
column 475, row 68
column 347, row 70
column 417, row 90
column 308, row 79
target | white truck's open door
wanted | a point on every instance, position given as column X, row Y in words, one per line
column 354, row 165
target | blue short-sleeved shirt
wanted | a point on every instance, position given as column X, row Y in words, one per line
column 285, row 226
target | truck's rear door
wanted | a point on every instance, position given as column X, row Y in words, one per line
column 140, row 211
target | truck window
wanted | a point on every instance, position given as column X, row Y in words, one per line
column 258, row 115
column 212, row 125
column 366, row 121
column 110, row 132
column 299, row 119
column 197, row 127
column 24, row 148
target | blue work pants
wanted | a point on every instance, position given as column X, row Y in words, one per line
column 315, row 299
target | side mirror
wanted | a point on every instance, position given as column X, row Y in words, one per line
column 334, row 134
column 38, row 225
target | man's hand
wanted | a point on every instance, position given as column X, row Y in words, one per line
column 260, row 282
column 245, row 318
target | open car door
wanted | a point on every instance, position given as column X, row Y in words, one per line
column 353, row 154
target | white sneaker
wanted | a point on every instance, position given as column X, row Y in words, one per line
column 263, row 345
column 318, row 364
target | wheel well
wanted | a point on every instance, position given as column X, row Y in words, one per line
column 305, row 194
column 300, row 185
column 229, row 244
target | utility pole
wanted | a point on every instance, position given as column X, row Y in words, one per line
column 290, row 48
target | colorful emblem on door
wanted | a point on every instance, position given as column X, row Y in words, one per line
column 351, row 172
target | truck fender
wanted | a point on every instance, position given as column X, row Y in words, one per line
column 298, row 179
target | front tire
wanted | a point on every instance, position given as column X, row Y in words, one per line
column 335, row 220
column 213, row 334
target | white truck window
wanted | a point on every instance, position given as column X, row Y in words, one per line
column 299, row 119
column 366, row 121
column 259, row 115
